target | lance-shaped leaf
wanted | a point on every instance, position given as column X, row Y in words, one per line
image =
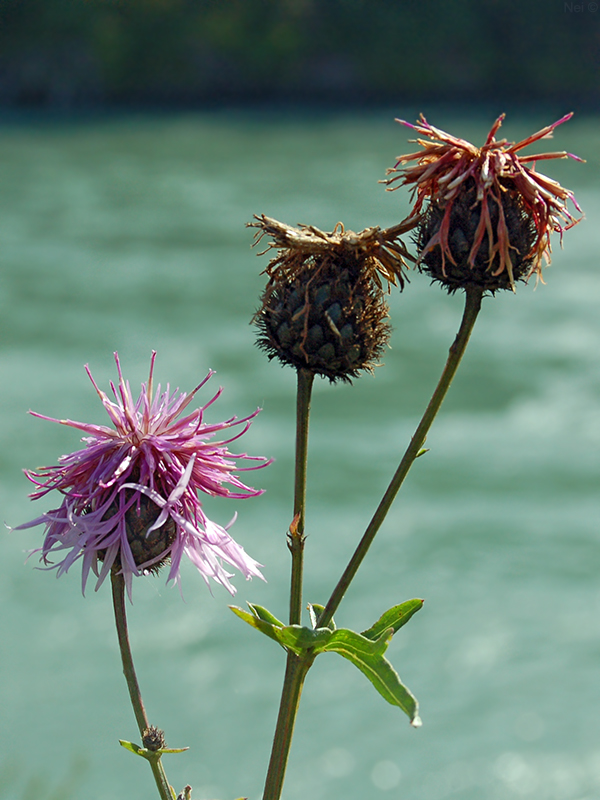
column 296, row 638
column 394, row 618
column 368, row 656
column 132, row 747
column 365, row 651
column 261, row 619
column 265, row 615
column 150, row 755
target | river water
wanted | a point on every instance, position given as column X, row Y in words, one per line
column 128, row 234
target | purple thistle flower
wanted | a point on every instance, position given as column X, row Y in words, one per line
column 131, row 494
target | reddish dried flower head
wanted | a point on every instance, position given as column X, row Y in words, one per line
column 131, row 495
column 489, row 213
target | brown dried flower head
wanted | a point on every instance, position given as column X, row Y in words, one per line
column 153, row 738
column 483, row 215
column 323, row 308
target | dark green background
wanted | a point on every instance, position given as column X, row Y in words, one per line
column 78, row 53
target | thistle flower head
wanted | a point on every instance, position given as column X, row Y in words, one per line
column 323, row 308
column 489, row 213
column 130, row 496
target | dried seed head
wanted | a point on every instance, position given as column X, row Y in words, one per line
column 153, row 738
column 323, row 308
column 484, row 214
column 461, row 265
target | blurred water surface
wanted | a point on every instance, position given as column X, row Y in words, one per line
column 128, row 235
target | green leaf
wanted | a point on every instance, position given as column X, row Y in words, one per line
column 299, row 639
column 134, row 748
column 315, row 610
column 296, row 638
column 365, row 650
column 265, row 615
column 394, row 618
column 255, row 621
column 367, row 656
column 150, row 755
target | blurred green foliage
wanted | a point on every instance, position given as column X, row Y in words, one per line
column 76, row 52
column 18, row 782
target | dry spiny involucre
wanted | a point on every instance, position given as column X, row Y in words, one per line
column 488, row 214
column 458, row 265
column 154, row 739
column 324, row 308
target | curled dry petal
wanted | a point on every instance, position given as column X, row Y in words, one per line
column 446, row 166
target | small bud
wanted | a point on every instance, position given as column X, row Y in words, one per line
column 154, row 739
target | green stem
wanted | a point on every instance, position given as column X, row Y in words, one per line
column 118, row 594
column 295, row 673
column 296, row 535
column 473, row 299
column 296, row 667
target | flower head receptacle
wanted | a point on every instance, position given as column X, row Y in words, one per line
column 483, row 215
column 324, row 308
column 131, row 495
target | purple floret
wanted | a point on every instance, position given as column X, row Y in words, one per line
column 149, row 455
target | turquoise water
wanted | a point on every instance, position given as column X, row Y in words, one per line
column 128, row 235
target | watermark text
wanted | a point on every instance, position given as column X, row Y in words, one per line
column 581, row 8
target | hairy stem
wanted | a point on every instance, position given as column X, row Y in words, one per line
column 473, row 299
column 118, row 594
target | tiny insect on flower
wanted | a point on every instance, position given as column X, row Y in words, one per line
column 483, row 215
column 131, row 494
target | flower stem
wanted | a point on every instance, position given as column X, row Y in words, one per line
column 295, row 673
column 118, row 594
column 473, row 299
column 296, row 535
column 296, row 666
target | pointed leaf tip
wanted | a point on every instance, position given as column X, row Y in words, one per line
column 367, row 655
column 395, row 618
column 133, row 748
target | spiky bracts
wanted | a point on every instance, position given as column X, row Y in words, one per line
column 483, row 214
column 323, row 308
